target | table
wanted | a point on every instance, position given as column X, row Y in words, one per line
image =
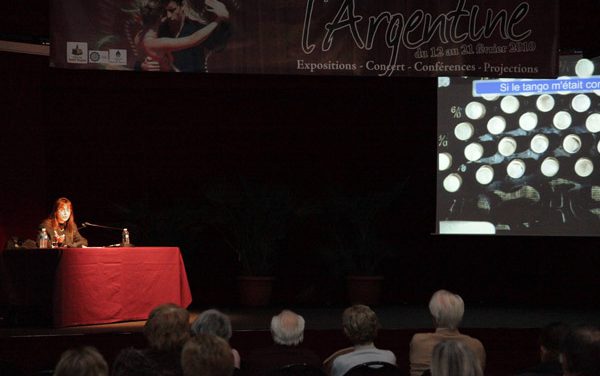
column 98, row 285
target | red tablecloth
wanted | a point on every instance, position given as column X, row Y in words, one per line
column 102, row 285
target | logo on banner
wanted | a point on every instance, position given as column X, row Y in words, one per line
column 98, row 57
column 77, row 52
column 117, row 56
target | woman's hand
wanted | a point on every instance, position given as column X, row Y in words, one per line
column 218, row 8
column 150, row 65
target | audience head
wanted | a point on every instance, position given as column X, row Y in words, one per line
column 287, row 328
column 452, row 358
column 213, row 322
column 82, row 361
column 580, row 351
column 167, row 327
column 133, row 362
column 551, row 337
column 207, row 355
column 447, row 309
column 360, row 324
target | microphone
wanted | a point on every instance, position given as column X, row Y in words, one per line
column 124, row 233
column 88, row 224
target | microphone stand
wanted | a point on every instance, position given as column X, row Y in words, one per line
column 88, row 224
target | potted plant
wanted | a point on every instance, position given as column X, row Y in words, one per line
column 358, row 245
column 252, row 219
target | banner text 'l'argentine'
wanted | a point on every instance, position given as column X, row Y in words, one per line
column 312, row 37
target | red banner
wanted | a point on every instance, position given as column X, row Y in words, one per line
column 313, row 37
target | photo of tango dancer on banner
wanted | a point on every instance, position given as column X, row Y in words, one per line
column 176, row 37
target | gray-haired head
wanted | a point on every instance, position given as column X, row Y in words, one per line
column 447, row 309
column 213, row 322
column 287, row 328
column 453, row 358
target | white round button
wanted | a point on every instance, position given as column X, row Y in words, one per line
column 592, row 123
column 484, row 174
column 507, row 146
column 473, row 151
column 550, row 167
column 452, row 183
column 584, row 167
column 562, row 120
column 509, row 104
column 464, row 131
column 475, row 110
column 496, row 125
column 539, row 143
column 528, row 121
column 545, row 103
column 444, row 161
column 581, row 103
column 516, row 168
column 572, row 143
column 584, row 68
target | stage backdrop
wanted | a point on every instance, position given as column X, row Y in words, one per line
column 513, row 38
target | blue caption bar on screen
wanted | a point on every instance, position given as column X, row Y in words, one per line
column 520, row 86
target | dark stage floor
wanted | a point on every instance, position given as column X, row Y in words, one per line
column 391, row 317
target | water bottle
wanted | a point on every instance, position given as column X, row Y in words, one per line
column 125, row 238
column 43, row 238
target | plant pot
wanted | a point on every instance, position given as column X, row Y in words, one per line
column 364, row 289
column 255, row 291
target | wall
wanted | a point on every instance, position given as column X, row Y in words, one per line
column 142, row 150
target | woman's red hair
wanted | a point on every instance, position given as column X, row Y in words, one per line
column 70, row 226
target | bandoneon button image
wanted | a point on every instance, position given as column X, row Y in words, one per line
column 475, row 110
column 528, row 121
column 507, row 146
column 564, row 92
column 509, row 104
column 484, row 174
column 562, row 120
column 452, row 183
column 571, row 143
column 464, row 131
column 581, row 103
column 444, row 161
column 516, row 168
column 592, row 123
column 584, row 167
column 584, row 68
column 473, row 151
column 539, row 143
column 490, row 97
column 549, row 167
column 496, row 125
column 545, row 103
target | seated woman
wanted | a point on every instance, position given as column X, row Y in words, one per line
column 61, row 227
column 360, row 325
column 447, row 310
